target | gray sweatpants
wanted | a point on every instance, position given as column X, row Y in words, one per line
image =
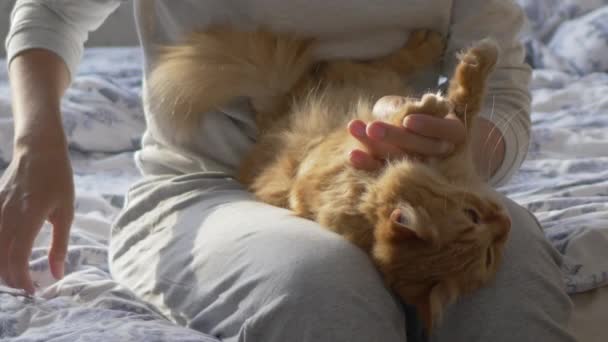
column 212, row 258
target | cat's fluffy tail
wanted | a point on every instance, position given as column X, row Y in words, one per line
column 216, row 66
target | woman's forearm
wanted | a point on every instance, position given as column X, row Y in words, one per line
column 38, row 80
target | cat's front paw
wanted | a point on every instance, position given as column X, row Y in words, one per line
column 481, row 58
column 468, row 84
column 430, row 104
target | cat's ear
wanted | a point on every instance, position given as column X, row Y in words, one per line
column 408, row 223
column 402, row 225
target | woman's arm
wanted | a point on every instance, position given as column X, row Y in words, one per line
column 37, row 184
column 503, row 132
column 58, row 26
column 489, row 148
column 503, row 128
column 44, row 46
column 38, row 79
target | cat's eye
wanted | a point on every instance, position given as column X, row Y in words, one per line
column 472, row 215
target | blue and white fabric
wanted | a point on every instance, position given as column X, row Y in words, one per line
column 564, row 180
column 567, row 35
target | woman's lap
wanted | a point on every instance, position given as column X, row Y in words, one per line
column 212, row 258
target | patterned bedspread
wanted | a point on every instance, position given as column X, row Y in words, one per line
column 564, row 181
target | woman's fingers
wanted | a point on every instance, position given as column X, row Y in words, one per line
column 420, row 136
column 364, row 161
column 407, row 141
column 6, row 239
column 385, row 141
column 18, row 230
column 26, row 229
column 376, row 147
column 449, row 129
column 27, row 199
column 61, row 221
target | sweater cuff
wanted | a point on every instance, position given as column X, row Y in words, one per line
column 47, row 32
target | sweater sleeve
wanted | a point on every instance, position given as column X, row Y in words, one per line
column 508, row 99
column 59, row 26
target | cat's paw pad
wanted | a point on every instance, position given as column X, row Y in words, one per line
column 430, row 104
column 425, row 44
column 434, row 104
column 481, row 57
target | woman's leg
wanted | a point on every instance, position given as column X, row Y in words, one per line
column 199, row 248
column 527, row 301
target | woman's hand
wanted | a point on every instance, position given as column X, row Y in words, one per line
column 36, row 186
column 420, row 136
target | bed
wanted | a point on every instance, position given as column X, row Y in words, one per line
column 564, row 181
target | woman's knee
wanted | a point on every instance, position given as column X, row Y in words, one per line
column 318, row 277
column 528, row 246
column 243, row 263
column 310, row 260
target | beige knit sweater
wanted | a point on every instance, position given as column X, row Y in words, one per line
column 347, row 28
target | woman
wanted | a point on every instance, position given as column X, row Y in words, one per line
column 194, row 243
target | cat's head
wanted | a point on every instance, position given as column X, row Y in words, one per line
column 434, row 241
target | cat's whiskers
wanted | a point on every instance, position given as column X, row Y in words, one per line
column 445, row 201
column 466, row 139
column 178, row 98
column 189, row 111
column 174, row 106
column 496, row 127
column 491, row 120
column 463, row 194
column 466, row 131
column 468, row 136
column 500, row 128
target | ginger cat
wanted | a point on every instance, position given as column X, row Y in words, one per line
column 433, row 229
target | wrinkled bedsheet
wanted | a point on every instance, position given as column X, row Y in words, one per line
column 564, row 180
